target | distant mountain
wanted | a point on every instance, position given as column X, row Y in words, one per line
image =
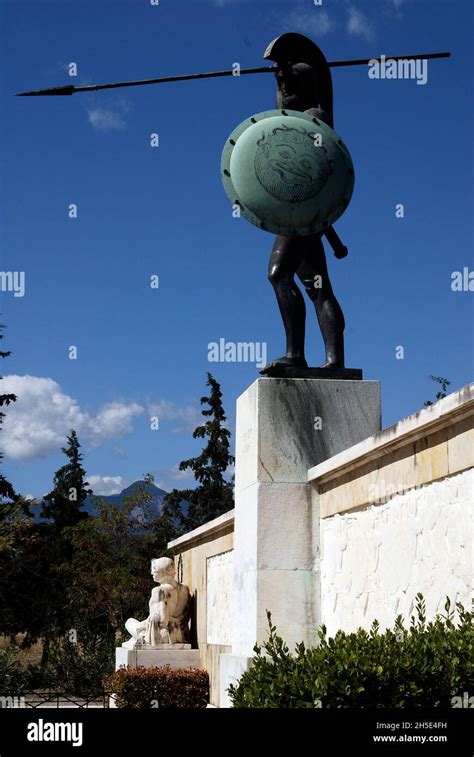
column 155, row 503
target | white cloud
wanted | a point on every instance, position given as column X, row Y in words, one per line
column 114, row 419
column 313, row 22
column 105, row 119
column 189, row 415
column 36, row 425
column 359, row 25
column 108, row 119
column 395, row 8
column 106, row 485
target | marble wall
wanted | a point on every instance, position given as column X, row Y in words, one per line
column 204, row 559
column 219, row 598
column 375, row 560
column 397, row 518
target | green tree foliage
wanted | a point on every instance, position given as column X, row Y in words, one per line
column 103, row 569
column 73, row 580
column 108, row 577
column 7, row 493
column 79, row 667
column 31, row 593
column 214, row 494
column 426, row 664
column 81, row 583
column 13, row 679
column 63, row 504
column 43, row 564
column 32, row 599
column 444, row 383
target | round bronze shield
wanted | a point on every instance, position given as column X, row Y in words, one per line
column 289, row 173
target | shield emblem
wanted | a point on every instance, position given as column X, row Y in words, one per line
column 289, row 172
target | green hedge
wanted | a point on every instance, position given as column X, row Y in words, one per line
column 426, row 664
column 162, row 688
column 13, row 679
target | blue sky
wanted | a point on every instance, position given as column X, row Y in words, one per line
column 144, row 211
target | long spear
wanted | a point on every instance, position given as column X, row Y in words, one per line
column 340, row 250
column 70, row 89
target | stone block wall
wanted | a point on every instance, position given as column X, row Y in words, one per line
column 395, row 516
column 204, row 560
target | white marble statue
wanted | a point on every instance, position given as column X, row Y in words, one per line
column 168, row 620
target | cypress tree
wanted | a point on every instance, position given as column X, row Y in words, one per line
column 64, row 503
column 190, row 508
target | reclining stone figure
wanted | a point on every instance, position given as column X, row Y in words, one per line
column 169, row 603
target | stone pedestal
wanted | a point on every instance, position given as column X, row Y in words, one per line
column 285, row 427
column 155, row 658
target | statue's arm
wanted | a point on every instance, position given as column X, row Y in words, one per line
column 159, row 607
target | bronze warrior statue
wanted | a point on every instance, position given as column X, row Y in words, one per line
column 303, row 83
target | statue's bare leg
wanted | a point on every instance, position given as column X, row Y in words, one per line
column 135, row 627
column 286, row 256
column 313, row 273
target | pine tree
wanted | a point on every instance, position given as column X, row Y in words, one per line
column 6, row 489
column 63, row 504
column 190, row 508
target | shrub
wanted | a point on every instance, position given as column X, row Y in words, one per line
column 425, row 665
column 79, row 668
column 13, row 680
column 159, row 687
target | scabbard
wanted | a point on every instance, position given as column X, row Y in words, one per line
column 339, row 248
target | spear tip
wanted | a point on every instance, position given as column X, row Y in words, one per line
column 68, row 89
